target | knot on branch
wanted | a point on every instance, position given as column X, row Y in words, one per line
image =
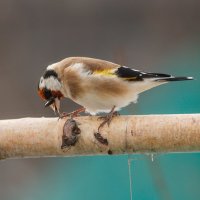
column 70, row 133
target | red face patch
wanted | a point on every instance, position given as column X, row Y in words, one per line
column 47, row 94
column 41, row 94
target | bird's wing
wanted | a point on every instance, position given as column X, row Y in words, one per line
column 91, row 66
column 108, row 69
column 94, row 66
column 130, row 74
column 136, row 75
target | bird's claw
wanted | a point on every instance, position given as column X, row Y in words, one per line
column 71, row 114
column 107, row 119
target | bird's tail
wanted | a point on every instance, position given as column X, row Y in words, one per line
column 172, row 78
column 165, row 77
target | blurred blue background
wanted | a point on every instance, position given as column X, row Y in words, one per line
column 157, row 36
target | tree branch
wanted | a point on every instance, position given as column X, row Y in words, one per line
column 36, row 137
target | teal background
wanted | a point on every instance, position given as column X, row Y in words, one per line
column 148, row 35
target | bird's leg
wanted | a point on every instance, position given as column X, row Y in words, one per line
column 106, row 120
column 72, row 114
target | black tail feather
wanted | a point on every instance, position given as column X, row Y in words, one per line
column 155, row 75
column 181, row 78
column 136, row 75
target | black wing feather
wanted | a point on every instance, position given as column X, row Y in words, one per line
column 135, row 75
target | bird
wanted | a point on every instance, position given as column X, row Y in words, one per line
column 97, row 85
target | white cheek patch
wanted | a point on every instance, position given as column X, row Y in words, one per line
column 51, row 83
column 42, row 83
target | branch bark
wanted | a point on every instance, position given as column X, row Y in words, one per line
column 37, row 137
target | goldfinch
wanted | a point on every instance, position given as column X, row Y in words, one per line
column 97, row 85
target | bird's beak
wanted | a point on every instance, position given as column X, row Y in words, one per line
column 50, row 102
column 54, row 104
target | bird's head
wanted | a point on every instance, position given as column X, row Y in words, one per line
column 49, row 89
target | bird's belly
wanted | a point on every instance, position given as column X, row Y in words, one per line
column 94, row 103
column 102, row 95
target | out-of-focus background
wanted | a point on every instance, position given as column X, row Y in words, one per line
column 159, row 36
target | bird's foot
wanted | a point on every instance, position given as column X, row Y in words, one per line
column 106, row 120
column 73, row 114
